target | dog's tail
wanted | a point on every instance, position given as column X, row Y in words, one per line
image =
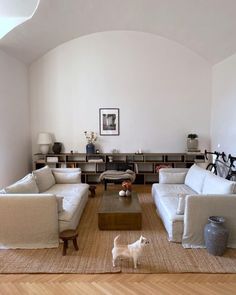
column 116, row 241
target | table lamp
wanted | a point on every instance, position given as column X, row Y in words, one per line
column 44, row 141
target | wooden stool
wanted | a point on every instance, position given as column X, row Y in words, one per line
column 67, row 235
column 92, row 189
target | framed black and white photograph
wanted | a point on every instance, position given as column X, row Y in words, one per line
column 109, row 121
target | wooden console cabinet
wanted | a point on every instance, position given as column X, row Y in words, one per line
column 145, row 165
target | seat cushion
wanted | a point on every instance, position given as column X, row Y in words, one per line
column 44, row 178
column 172, row 190
column 217, row 185
column 73, row 194
column 195, row 178
column 25, row 185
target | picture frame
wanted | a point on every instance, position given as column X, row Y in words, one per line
column 109, row 121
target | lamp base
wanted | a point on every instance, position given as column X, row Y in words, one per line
column 44, row 148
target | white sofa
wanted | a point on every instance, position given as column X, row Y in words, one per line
column 36, row 208
column 185, row 198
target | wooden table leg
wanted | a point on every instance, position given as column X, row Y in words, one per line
column 65, row 246
column 75, row 244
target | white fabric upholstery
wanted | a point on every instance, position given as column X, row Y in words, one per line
column 181, row 204
column 65, row 177
column 195, row 178
column 188, row 227
column 175, row 176
column 166, row 200
column 44, row 178
column 75, row 199
column 28, row 221
column 45, row 214
column 217, row 185
column 171, row 190
column 197, row 210
column 59, row 203
column 25, row 185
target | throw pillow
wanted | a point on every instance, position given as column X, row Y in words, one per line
column 44, row 178
column 65, row 177
column 172, row 178
column 195, row 178
column 181, row 204
column 217, row 185
column 25, row 185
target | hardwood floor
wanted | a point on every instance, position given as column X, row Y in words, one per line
column 117, row 284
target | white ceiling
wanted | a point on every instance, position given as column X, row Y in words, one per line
column 207, row 27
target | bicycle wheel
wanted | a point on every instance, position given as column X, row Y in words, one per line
column 212, row 167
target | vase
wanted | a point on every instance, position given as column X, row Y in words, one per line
column 216, row 235
column 192, row 144
column 90, row 148
column 57, row 147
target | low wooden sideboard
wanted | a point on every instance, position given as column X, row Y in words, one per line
column 145, row 165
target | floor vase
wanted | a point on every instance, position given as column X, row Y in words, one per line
column 216, row 235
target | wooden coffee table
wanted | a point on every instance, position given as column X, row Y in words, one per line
column 119, row 213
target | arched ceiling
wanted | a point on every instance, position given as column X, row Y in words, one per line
column 207, row 27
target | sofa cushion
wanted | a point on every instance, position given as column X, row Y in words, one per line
column 67, row 177
column 181, row 204
column 217, row 185
column 195, row 178
column 171, row 190
column 25, row 185
column 72, row 194
column 44, row 178
column 170, row 177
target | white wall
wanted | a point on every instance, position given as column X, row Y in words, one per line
column 223, row 131
column 15, row 144
column 163, row 91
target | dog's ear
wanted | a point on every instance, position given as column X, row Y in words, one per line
column 142, row 239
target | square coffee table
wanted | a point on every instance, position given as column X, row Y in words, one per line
column 119, row 213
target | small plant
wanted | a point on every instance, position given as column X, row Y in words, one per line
column 192, row 136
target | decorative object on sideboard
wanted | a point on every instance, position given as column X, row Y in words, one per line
column 91, row 137
column 56, row 148
column 192, row 142
column 109, row 121
column 216, row 235
column 44, row 141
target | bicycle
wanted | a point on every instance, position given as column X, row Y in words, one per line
column 231, row 172
column 213, row 166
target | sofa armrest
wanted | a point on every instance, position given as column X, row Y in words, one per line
column 172, row 175
column 28, row 221
column 198, row 208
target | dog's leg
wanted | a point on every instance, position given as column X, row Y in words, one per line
column 113, row 260
column 135, row 259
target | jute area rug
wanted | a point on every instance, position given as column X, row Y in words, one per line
column 94, row 255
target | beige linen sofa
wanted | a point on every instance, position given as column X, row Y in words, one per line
column 185, row 198
column 36, row 208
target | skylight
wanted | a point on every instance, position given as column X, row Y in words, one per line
column 15, row 12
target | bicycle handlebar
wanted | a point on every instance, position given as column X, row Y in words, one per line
column 232, row 160
column 222, row 155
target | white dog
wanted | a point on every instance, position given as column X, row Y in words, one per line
column 130, row 251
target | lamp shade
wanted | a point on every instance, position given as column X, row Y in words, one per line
column 44, row 138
